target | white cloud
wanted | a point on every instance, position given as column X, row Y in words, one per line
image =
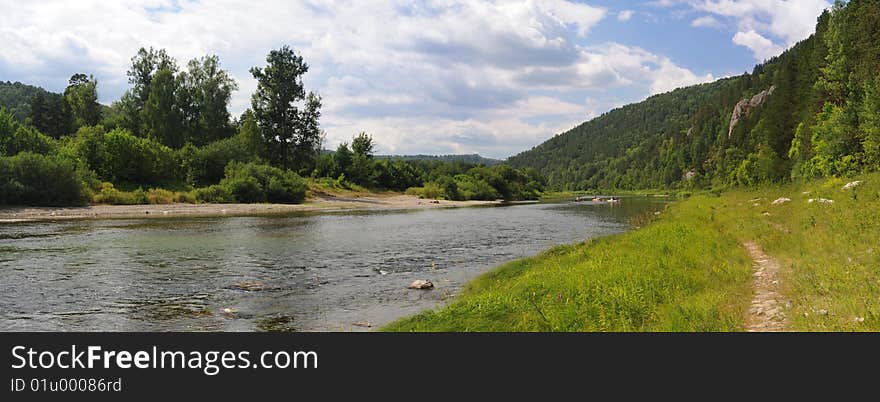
column 760, row 46
column 490, row 76
column 788, row 21
column 625, row 15
column 706, row 21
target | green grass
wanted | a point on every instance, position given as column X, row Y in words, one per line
column 688, row 270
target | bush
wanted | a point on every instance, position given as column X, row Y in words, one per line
column 475, row 189
column 16, row 138
column 215, row 194
column 112, row 196
column 121, row 156
column 429, row 190
column 206, row 165
column 32, row 179
column 251, row 182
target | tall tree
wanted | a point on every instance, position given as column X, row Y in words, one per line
column 160, row 117
column 204, row 93
column 286, row 115
column 50, row 114
column 144, row 66
column 82, row 97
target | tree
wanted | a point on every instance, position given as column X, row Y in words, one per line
column 362, row 145
column 144, row 66
column 160, row 117
column 286, row 115
column 50, row 114
column 343, row 158
column 869, row 117
column 203, row 96
column 82, row 97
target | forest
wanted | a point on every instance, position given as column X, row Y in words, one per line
column 170, row 138
column 813, row 111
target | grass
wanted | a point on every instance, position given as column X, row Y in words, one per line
column 688, row 270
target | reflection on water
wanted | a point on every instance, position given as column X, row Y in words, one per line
column 283, row 273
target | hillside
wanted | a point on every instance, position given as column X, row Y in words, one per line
column 16, row 97
column 813, row 111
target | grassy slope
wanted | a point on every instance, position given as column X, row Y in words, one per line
column 689, row 272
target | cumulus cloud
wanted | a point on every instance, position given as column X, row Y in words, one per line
column 625, row 15
column 492, row 76
column 786, row 21
column 760, row 46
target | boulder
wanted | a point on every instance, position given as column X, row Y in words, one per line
column 852, row 185
column 421, row 284
column 781, row 200
column 820, row 200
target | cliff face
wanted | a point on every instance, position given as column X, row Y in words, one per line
column 745, row 106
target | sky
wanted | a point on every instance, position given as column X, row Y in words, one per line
column 493, row 77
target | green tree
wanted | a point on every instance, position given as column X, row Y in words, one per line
column 343, row 158
column 869, row 117
column 203, row 97
column 160, row 117
column 286, row 115
column 81, row 95
column 144, row 67
column 50, row 114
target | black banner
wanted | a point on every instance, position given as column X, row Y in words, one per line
column 53, row 366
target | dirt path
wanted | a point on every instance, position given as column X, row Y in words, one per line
column 766, row 314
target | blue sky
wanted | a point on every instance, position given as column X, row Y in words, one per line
column 431, row 76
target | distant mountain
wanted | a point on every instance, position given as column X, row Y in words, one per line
column 812, row 111
column 15, row 97
column 472, row 158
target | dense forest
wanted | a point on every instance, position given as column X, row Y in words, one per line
column 171, row 138
column 813, row 111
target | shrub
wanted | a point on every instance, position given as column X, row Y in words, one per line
column 112, row 196
column 16, row 138
column 251, row 182
column 33, row 179
column 215, row 194
column 475, row 189
column 160, row 196
column 429, row 190
column 206, row 165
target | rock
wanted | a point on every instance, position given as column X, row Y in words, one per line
column 859, row 319
column 421, row 284
column 745, row 106
column 766, row 214
column 852, row 185
column 690, row 175
column 364, row 324
column 435, row 202
column 820, row 200
column 781, row 200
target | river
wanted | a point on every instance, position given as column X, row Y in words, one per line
column 304, row 272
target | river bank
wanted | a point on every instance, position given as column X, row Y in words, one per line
column 324, row 203
column 797, row 257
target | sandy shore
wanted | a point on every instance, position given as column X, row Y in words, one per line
column 323, row 204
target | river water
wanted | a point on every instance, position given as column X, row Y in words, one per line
column 306, row 272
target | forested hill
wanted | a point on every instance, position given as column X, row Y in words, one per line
column 16, row 98
column 813, row 111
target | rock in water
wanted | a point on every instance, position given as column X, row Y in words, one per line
column 781, row 200
column 421, row 284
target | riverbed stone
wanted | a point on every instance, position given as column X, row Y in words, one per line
column 421, row 284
